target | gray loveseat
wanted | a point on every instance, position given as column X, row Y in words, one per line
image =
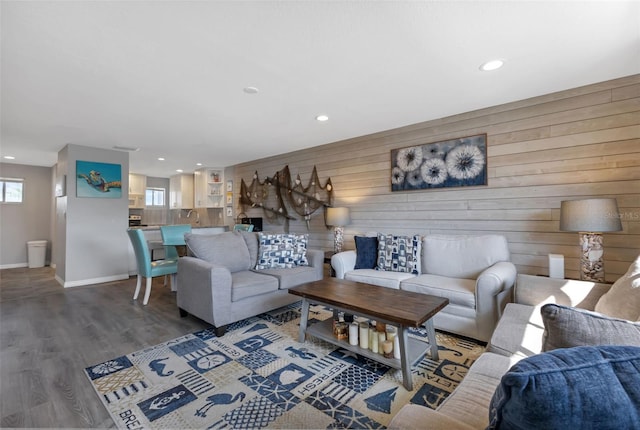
column 520, row 334
column 218, row 281
column 473, row 272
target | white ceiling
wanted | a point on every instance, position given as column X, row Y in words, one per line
column 168, row 76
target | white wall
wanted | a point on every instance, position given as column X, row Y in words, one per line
column 29, row 220
column 91, row 231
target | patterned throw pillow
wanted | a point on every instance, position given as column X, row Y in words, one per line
column 399, row 253
column 282, row 251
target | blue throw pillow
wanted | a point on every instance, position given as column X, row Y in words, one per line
column 585, row 387
column 366, row 252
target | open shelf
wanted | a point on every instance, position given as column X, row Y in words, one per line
column 324, row 330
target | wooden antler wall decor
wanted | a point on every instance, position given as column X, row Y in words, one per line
column 271, row 193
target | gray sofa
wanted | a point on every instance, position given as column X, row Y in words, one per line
column 473, row 272
column 218, row 281
column 520, row 333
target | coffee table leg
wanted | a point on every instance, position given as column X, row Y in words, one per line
column 303, row 320
column 431, row 335
column 407, row 380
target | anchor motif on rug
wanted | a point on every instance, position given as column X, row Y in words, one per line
column 158, row 367
column 218, row 399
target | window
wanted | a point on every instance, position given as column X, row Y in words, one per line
column 154, row 197
column 12, row 190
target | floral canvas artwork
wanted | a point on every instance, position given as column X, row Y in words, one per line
column 450, row 163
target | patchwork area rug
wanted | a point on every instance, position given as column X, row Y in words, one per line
column 258, row 376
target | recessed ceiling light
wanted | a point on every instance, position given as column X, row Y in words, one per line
column 198, row 164
column 179, row 170
column 160, row 158
column 322, row 118
column 491, row 65
column 250, row 90
column 9, row 157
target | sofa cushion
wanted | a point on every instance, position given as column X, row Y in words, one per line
column 281, row 251
column 458, row 291
column 470, row 401
column 248, row 284
column 519, row 331
column 251, row 239
column 623, row 299
column 566, row 327
column 379, row 278
column 366, row 252
column 399, row 253
column 293, row 276
column 462, row 256
column 572, row 388
column 227, row 249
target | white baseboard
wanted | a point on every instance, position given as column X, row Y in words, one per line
column 14, row 266
column 83, row 282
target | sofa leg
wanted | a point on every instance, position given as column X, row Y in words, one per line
column 220, row 331
column 183, row 313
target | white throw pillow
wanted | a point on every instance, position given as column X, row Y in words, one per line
column 623, row 299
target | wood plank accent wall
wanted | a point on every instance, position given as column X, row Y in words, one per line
column 578, row 143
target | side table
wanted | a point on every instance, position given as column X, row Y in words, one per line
column 327, row 260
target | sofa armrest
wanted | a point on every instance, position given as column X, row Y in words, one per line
column 538, row 290
column 204, row 289
column 494, row 289
column 343, row 262
column 496, row 279
column 416, row 417
column 315, row 257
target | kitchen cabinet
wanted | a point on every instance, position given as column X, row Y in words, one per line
column 137, row 189
column 137, row 183
column 209, row 188
column 181, row 191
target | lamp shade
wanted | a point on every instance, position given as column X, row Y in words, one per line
column 337, row 217
column 590, row 215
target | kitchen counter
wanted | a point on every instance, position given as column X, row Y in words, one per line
column 213, row 228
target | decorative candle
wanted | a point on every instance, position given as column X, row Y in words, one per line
column 374, row 343
column 353, row 334
column 364, row 335
column 391, row 332
column 396, row 347
column 387, row 348
column 372, row 331
column 382, row 337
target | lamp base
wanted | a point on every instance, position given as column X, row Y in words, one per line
column 591, row 263
column 338, row 239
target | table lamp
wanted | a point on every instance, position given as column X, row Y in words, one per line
column 590, row 218
column 338, row 218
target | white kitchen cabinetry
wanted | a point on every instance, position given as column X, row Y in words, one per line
column 209, row 188
column 181, row 192
column 137, row 188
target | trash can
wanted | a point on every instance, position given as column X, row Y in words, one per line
column 37, row 250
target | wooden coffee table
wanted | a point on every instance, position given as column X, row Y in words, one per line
column 403, row 309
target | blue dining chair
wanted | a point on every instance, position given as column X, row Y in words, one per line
column 243, row 227
column 147, row 268
column 173, row 236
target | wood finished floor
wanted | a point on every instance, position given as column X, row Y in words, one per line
column 49, row 334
